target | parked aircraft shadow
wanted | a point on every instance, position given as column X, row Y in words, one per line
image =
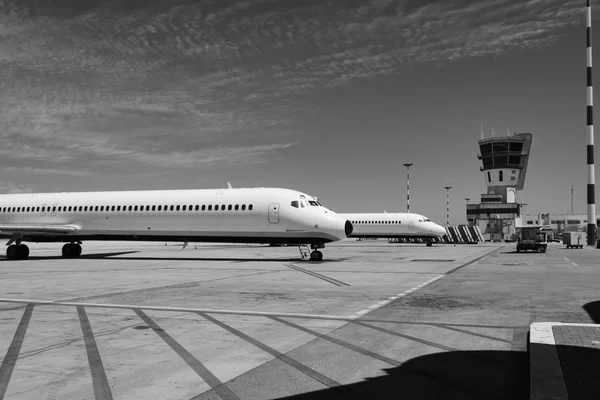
column 240, row 260
column 460, row 375
column 593, row 310
column 83, row 256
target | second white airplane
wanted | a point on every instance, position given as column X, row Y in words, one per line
column 394, row 225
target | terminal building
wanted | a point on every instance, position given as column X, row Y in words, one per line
column 562, row 222
column 504, row 165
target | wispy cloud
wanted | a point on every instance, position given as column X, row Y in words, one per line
column 205, row 84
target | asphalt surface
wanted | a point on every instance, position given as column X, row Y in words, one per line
column 373, row 321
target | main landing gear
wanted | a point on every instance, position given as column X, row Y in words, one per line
column 17, row 252
column 71, row 250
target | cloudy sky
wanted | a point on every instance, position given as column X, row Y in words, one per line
column 329, row 97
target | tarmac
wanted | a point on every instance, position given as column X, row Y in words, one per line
column 374, row 320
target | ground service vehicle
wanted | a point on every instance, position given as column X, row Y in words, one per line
column 532, row 238
column 574, row 239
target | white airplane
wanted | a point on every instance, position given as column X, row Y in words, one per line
column 394, row 225
column 252, row 215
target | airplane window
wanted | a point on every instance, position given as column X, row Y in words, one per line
column 184, row 207
column 14, row 209
column 203, row 207
column 59, row 208
column 19, row 209
column 171, row 208
column 177, row 208
column 312, row 203
column 243, row 207
column 95, row 208
column 147, row 208
column 209, row 207
column 294, row 204
column 223, row 207
column 303, row 203
column 28, row 209
column 250, row 207
column 135, row 208
column 237, row 207
column 230, row 207
column 197, row 207
column 85, row 208
column 153, row 208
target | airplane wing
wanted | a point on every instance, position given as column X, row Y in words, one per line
column 6, row 229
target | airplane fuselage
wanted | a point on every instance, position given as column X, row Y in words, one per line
column 256, row 215
column 393, row 225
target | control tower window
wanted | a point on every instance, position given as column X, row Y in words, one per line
column 489, row 177
column 501, row 176
column 500, row 147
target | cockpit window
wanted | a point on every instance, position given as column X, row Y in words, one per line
column 303, row 203
column 313, row 203
column 295, row 203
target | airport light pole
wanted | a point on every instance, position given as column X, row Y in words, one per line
column 447, row 204
column 407, row 165
column 591, row 179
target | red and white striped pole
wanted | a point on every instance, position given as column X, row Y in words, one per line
column 591, row 184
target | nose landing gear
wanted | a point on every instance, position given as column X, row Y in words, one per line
column 316, row 256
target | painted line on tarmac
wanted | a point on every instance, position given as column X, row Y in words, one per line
column 282, row 357
column 396, row 297
column 339, row 342
column 571, row 261
column 316, row 275
column 473, row 261
column 8, row 364
column 181, row 309
column 203, row 372
column 99, row 379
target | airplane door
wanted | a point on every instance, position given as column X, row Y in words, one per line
column 274, row 213
column 43, row 210
column 54, row 209
column 411, row 225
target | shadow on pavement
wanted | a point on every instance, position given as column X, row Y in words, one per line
column 460, row 375
column 593, row 310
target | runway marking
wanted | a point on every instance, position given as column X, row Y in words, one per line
column 99, row 379
column 422, row 341
column 197, row 366
column 8, row 364
column 396, row 297
column 571, row 261
column 474, row 261
column 474, row 333
column 339, row 342
column 181, row 309
column 284, row 358
column 316, row 275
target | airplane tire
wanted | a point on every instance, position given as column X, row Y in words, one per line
column 11, row 252
column 22, row 251
column 76, row 250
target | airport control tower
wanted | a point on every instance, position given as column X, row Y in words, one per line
column 504, row 168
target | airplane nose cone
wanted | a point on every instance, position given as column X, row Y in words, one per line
column 348, row 228
column 440, row 230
